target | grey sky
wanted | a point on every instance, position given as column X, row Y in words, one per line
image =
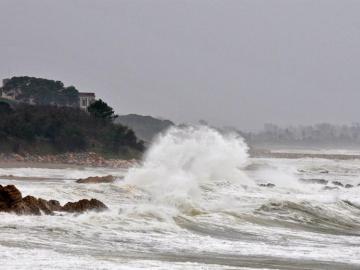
column 241, row 63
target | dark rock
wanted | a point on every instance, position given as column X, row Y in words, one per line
column 54, row 205
column 97, row 179
column 28, row 206
column 43, row 206
column 337, row 183
column 349, row 186
column 10, row 195
column 330, row 188
column 11, row 201
column 315, row 181
column 84, row 205
column 33, row 206
column 269, row 185
column 47, row 207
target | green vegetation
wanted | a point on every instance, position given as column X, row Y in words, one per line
column 100, row 109
column 41, row 91
column 4, row 100
column 5, row 108
column 52, row 130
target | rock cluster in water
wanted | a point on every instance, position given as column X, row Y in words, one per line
column 11, row 201
column 97, row 179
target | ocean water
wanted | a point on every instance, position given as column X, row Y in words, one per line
column 196, row 202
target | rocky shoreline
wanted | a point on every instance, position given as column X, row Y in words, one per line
column 89, row 159
column 12, row 201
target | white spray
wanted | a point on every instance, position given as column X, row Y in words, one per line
column 183, row 159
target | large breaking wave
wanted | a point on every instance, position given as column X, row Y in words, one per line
column 198, row 168
column 183, row 159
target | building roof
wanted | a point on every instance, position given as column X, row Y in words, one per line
column 86, row 94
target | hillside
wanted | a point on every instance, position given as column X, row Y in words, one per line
column 53, row 130
column 145, row 127
column 7, row 101
column 40, row 91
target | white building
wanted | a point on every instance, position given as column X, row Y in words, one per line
column 86, row 99
column 9, row 95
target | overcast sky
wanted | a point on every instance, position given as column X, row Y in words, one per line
column 240, row 63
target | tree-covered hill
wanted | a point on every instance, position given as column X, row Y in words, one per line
column 51, row 130
column 146, row 127
column 41, row 91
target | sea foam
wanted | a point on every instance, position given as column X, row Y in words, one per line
column 183, row 159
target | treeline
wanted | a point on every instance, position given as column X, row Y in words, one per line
column 311, row 135
column 52, row 130
column 41, row 91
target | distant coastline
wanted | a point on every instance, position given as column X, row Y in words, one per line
column 288, row 154
column 82, row 159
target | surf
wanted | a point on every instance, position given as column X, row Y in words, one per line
column 184, row 159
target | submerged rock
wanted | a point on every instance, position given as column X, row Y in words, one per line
column 315, row 181
column 84, row 205
column 97, row 179
column 330, row 188
column 11, row 201
column 270, row 185
column 337, row 183
column 349, row 186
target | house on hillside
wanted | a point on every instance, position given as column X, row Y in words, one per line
column 17, row 89
column 6, row 95
column 11, row 95
column 86, row 99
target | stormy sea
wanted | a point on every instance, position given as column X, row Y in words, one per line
column 197, row 201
